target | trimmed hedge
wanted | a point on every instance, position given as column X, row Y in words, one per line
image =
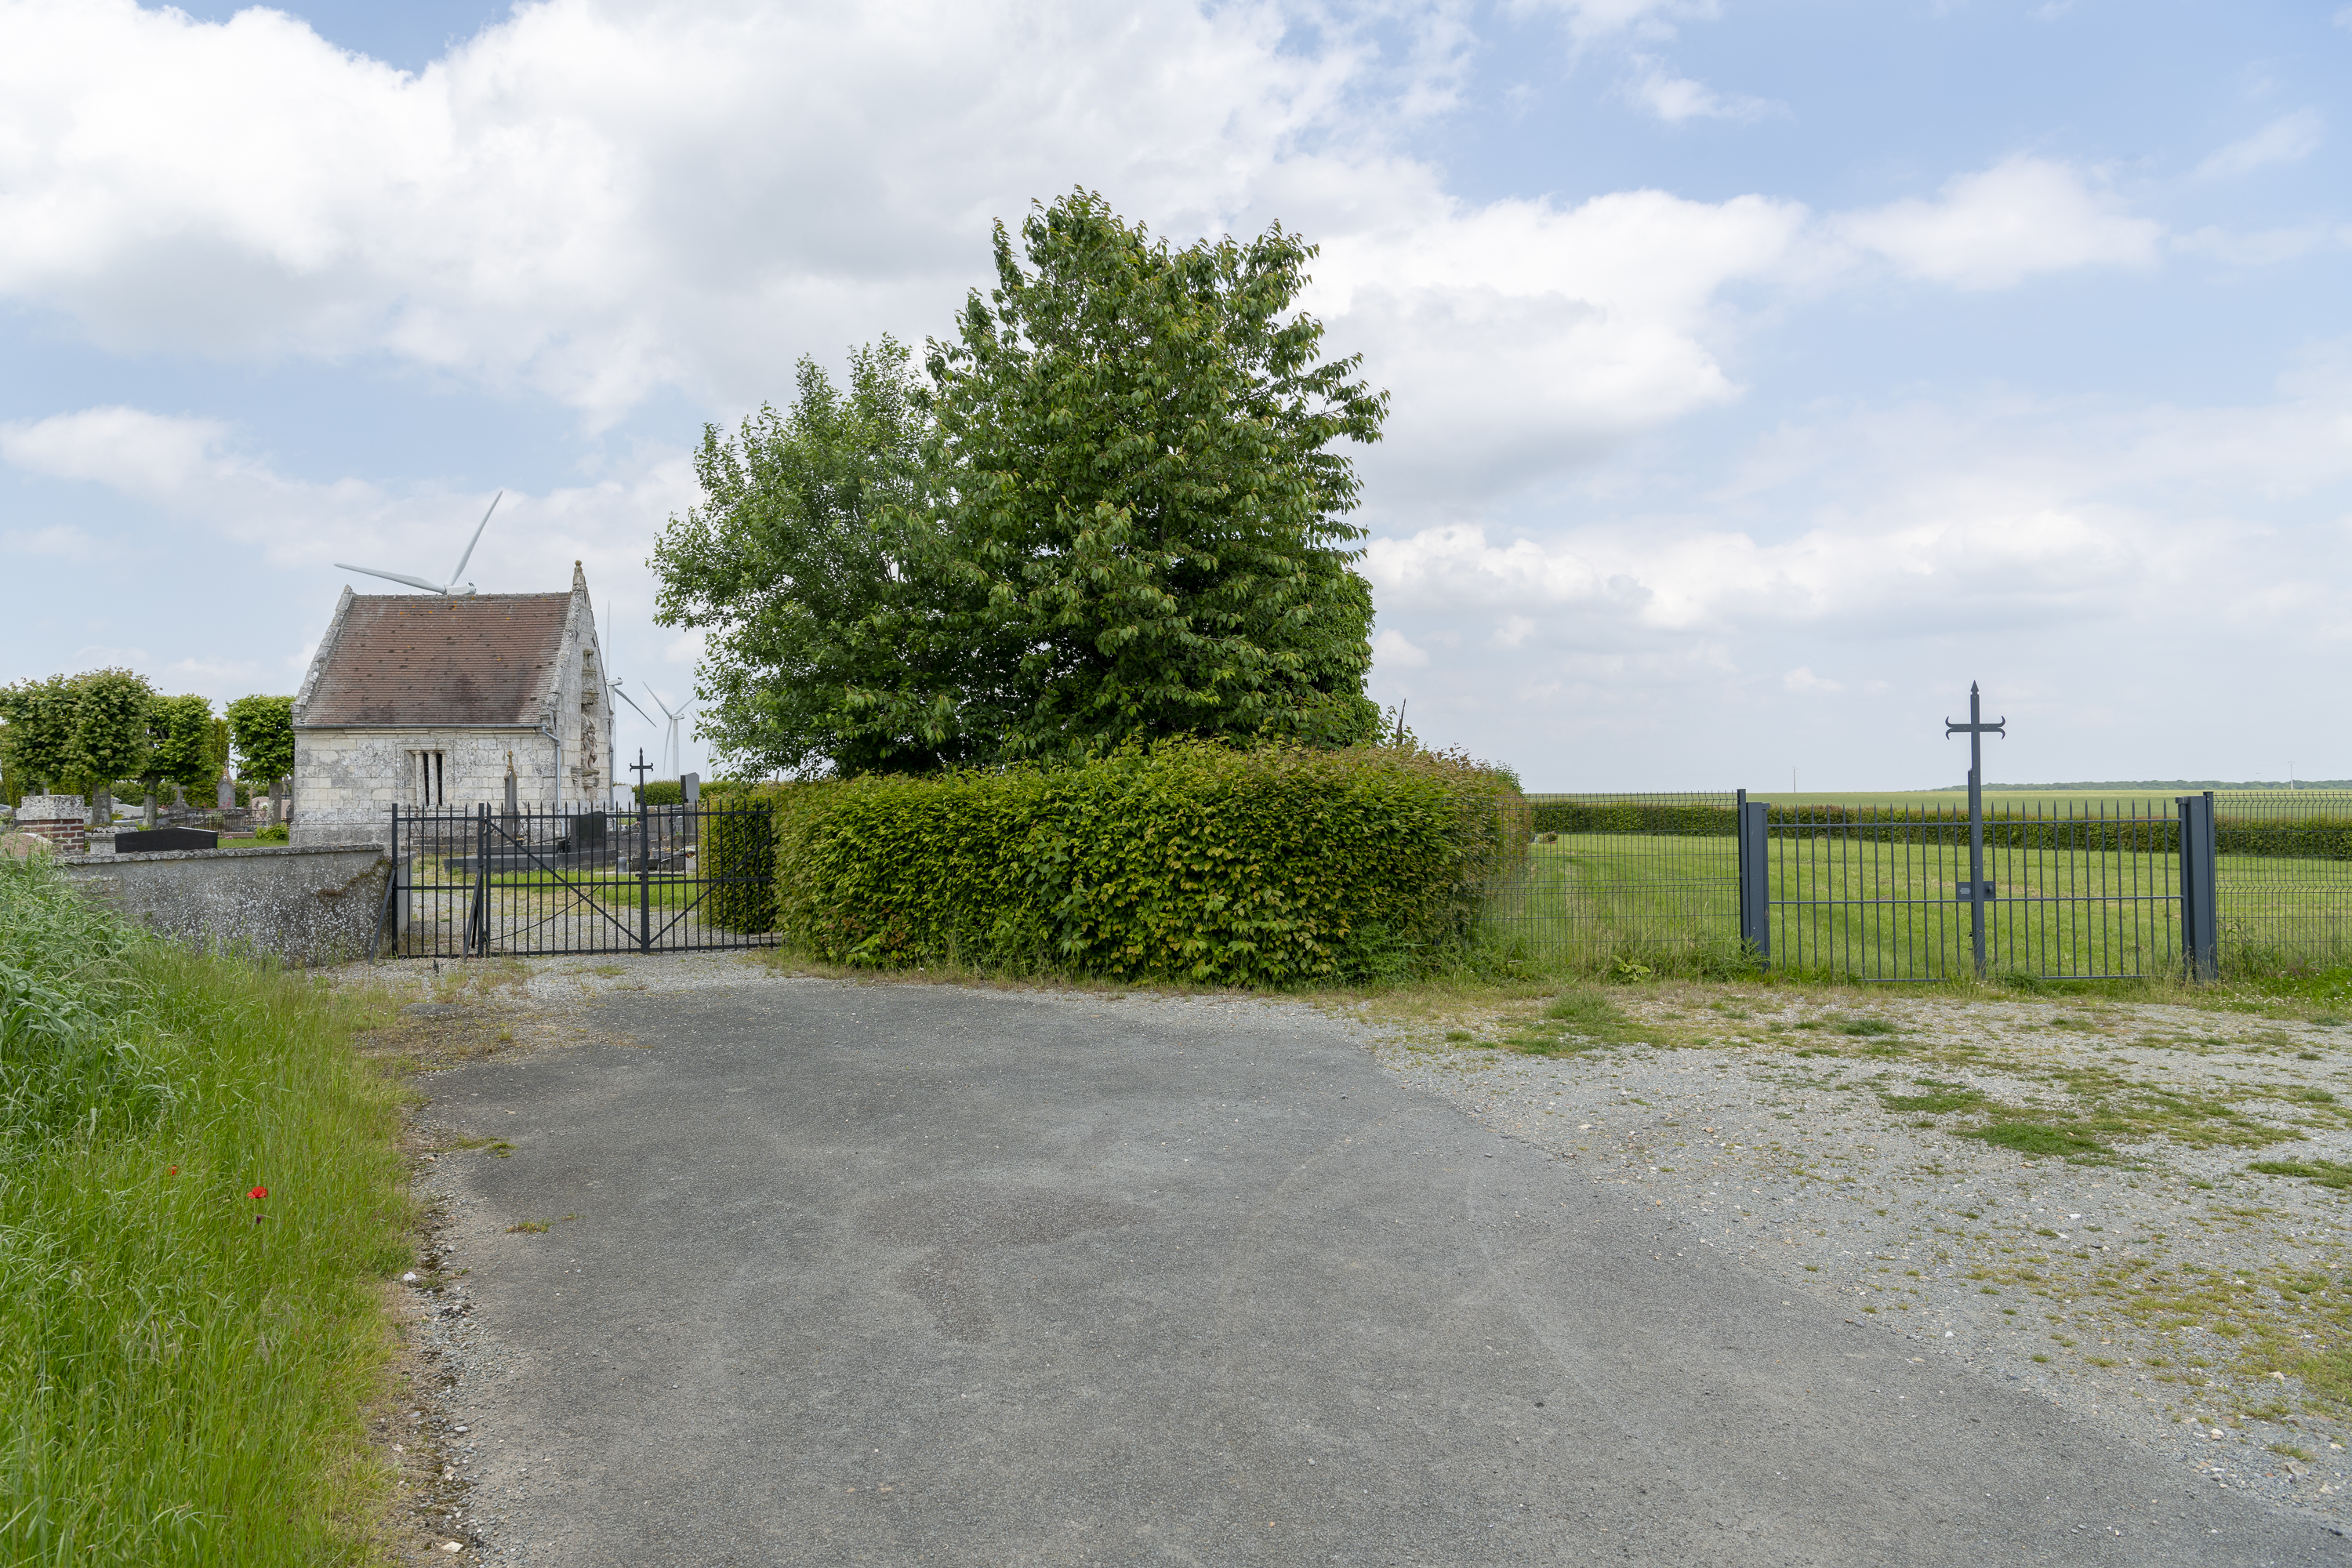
column 1187, row 861
column 672, row 792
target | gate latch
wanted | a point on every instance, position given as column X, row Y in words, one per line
column 1969, row 892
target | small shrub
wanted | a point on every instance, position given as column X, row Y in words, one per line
column 271, row 833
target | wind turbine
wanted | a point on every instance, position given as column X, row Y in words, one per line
column 456, row 587
column 677, row 763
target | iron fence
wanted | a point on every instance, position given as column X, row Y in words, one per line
column 2070, row 888
column 661, row 879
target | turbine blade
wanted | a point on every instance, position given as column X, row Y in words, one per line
column 458, row 575
column 394, row 577
column 631, row 701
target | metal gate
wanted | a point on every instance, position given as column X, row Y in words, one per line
column 2071, row 889
column 662, row 879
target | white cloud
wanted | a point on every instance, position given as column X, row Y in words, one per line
column 2286, row 139
column 1392, row 647
column 1589, row 20
column 1522, row 339
column 1996, row 227
column 129, row 450
column 1803, row 679
column 1674, row 98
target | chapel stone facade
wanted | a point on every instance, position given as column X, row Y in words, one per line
column 428, row 702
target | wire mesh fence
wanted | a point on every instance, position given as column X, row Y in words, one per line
column 1638, row 880
column 2285, row 870
column 664, row 878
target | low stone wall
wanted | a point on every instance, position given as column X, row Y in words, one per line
column 315, row 903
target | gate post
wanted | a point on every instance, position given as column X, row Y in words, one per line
column 2200, row 926
column 1756, row 878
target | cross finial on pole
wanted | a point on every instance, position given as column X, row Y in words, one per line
column 1977, row 890
column 641, row 768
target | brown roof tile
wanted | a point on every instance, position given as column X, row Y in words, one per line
column 420, row 660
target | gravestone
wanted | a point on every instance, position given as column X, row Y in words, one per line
column 588, row 831
column 693, row 785
column 154, row 840
column 225, row 799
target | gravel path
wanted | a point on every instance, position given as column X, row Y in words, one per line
column 2151, row 1283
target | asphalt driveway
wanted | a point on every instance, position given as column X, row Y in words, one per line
column 917, row 1275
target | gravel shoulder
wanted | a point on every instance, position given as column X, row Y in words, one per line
column 2116, row 1252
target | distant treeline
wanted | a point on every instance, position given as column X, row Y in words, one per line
column 2323, row 838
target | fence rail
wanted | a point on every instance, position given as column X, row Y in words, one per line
column 661, row 879
column 2075, row 888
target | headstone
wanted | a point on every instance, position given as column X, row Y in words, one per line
column 588, row 831
column 514, row 807
column 154, row 840
column 693, row 783
column 225, row 799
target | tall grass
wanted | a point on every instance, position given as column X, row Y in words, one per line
column 182, row 1365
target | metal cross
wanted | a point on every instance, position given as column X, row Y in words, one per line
column 1976, row 890
column 641, row 768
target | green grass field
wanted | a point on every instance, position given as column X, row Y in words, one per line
column 1852, row 908
column 184, row 1360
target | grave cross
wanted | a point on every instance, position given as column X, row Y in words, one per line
column 1976, row 890
column 641, row 768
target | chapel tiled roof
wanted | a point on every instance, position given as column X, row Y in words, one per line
column 399, row 659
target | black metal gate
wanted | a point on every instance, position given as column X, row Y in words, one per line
column 662, row 879
column 2068, row 889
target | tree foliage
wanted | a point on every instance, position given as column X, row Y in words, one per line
column 1143, row 485
column 262, row 730
column 41, row 717
column 1115, row 512
column 110, row 738
column 86, row 730
column 804, row 563
column 180, row 732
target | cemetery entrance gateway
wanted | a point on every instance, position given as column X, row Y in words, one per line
column 658, row 878
column 2067, row 889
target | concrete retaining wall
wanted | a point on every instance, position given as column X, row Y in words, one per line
column 312, row 903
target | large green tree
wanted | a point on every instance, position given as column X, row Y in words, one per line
column 811, row 565
column 1116, row 511
column 1135, row 468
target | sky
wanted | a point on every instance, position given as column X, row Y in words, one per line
column 1763, row 374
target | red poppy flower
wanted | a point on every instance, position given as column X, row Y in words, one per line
column 259, row 1192
column 172, row 1171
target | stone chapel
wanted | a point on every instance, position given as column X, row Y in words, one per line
column 427, row 701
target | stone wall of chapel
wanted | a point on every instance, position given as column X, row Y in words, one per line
column 347, row 781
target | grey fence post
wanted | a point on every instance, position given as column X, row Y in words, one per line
column 1756, row 878
column 2201, row 925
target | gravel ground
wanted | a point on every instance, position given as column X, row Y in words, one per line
column 2147, row 1281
